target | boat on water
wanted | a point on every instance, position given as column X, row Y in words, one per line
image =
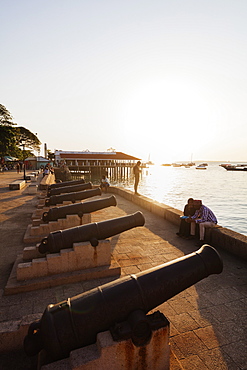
column 202, row 166
column 234, row 167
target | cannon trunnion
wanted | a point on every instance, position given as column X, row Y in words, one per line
column 78, row 208
column 69, row 189
column 92, row 232
column 75, row 322
column 71, row 197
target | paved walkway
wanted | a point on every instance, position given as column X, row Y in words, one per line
column 208, row 321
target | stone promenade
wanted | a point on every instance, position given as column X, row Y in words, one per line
column 208, row 321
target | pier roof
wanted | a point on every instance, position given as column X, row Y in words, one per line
column 95, row 155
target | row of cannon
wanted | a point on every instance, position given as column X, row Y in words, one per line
column 75, row 322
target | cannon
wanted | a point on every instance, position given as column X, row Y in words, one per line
column 75, row 322
column 66, row 183
column 78, row 208
column 92, row 233
column 69, row 189
column 72, row 197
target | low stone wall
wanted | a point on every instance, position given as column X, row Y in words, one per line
column 217, row 236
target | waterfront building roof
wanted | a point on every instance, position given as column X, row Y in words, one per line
column 87, row 155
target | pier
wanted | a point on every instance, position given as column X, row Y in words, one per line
column 208, row 321
column 115, row 165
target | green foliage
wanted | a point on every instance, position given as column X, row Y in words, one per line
column 26, row 138
column 7, row 140
column 5, row 116
column 15, row 141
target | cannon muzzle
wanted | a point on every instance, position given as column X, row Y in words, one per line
column 92, row 233
column 78, row 208
column 69, row 189
column 66, row 183
column 71, row 197
column 75, row 322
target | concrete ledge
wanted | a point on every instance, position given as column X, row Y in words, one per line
column 31, row 252
column 218, row 236
column 17, row 185
column 229, row 240
column 81, row 257
column 35, row 233
column 13, row 286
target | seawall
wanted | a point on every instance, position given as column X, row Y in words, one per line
column 217, row 236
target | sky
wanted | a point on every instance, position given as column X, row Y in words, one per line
column 164, row 80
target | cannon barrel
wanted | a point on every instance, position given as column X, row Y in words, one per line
column 92, row 233
column 75, row 322
column 69, row 189
column 78, row 208
column 66, row 183
column 72, row 197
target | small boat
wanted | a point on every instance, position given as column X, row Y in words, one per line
column 236, row 167
column 201, row 166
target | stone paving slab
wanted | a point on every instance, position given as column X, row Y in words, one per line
column 208, row 321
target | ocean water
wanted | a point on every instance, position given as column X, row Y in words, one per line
column 224, row 192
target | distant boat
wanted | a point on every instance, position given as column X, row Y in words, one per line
column 202, row 166
column 235, row 167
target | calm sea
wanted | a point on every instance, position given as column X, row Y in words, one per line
column 224, row 192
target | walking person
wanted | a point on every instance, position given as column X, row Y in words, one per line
column 137, row 171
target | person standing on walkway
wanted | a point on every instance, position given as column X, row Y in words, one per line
column 137, row 171
column 205, row 218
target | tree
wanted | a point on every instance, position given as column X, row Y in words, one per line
column 5, row 116
column 7, row 141
column 14, row 138
column 27, row 139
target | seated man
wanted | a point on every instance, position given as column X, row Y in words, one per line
column 104, row 183
column 204, row 217
column 189, row 210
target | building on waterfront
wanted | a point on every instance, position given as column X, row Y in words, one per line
column 35, row 163
column 111, row 163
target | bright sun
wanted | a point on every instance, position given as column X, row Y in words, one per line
column 166, row 117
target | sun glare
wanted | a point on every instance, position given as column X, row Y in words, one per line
column 166, row 116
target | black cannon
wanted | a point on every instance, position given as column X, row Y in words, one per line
column 69, row 189
column 75, row 322
column 72, row 197
column 78, row 208
column 66, row 183
column 92, row 233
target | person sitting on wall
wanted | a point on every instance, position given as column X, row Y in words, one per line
column 46, row 171
column 184, row 228
column 204, row 217
column 104, row 183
